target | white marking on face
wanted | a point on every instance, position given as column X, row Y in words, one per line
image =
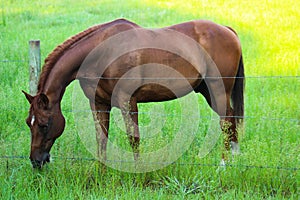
column 32, row 120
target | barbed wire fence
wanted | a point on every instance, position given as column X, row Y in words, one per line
column 34, row 61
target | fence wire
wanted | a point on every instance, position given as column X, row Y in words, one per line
column 170, row 78
column 176, row 163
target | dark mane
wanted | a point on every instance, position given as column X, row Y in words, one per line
column 54, row 56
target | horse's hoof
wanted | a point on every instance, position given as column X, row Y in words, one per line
column 235, row 148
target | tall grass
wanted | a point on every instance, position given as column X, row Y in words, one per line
column 269, row 164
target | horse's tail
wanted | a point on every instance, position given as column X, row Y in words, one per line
column 237, row 95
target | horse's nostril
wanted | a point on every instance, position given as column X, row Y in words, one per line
column 36, row 164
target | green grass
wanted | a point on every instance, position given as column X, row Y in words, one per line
column 269, row 33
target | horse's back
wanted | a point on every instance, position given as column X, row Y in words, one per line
column 216, row 39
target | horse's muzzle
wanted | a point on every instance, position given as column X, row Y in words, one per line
column 38, row 163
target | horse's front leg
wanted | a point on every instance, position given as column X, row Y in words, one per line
column 130, row 116
column 101, row 114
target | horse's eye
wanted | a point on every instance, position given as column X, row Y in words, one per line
column 28, row 122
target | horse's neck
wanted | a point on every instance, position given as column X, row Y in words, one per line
column 64, row 71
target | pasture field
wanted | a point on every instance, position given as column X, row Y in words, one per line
column 267, row 168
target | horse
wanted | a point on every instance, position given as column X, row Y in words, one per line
column 120, row 64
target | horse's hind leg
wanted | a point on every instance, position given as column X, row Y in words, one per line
column 219, row 100
column 101, row 114
column 130, row 115
column 228, row 125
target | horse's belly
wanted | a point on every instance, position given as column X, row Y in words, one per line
column 156, row 92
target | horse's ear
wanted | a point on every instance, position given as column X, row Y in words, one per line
column 43, row 101
column 28, row 97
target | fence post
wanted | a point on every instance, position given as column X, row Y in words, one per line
column 34, row 65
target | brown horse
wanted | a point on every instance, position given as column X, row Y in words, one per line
column 120, row 64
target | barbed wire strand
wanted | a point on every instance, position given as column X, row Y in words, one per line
column 189, row 78
column 84, row 159
column 80, row 159
column 13, row 61
column 216, row 117
column 167, row 78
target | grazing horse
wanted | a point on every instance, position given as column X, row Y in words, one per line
column 120, row 64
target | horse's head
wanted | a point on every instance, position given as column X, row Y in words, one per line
column 46, row 123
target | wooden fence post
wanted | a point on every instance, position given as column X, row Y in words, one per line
column 34, row 65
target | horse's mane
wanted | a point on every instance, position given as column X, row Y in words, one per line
column 54, row 56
